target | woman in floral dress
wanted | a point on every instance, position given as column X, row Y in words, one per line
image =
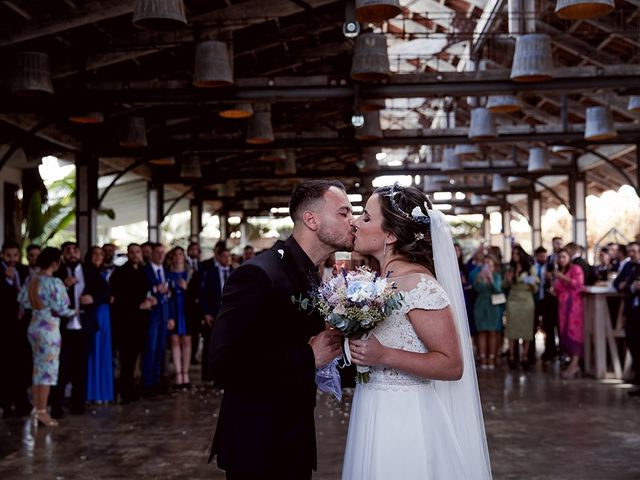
column 47, row 297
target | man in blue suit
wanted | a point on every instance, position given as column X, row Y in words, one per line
column 215, row 272
column 158, row 292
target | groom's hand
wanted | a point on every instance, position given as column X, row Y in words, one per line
column 326, row 346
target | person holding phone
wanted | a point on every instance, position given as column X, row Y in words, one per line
column 487, row 312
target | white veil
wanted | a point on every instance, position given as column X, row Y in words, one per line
column 461, row 398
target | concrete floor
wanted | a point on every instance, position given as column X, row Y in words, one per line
column 539, row 427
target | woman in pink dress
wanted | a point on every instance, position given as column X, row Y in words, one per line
column 569, row 280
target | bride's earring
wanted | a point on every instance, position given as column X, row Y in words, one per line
column 384, row 250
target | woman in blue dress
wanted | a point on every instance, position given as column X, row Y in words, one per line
column 100, row 363
column 180, row 328
column 46, row 296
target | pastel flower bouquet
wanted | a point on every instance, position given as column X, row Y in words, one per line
column 354, row 302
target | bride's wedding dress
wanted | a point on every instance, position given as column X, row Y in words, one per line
column 404, row 427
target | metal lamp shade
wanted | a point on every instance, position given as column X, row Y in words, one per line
column 370, row 61
column 373, row 105
column 286, row 165
column 159, row 15
column 467, row 150
column 371, row 129
column 634, row 103
column 212, row 65
column 599, row 124
column 538, row 160
column 562, row 149
column 532, row 60
column 376, row 11
column 476, row 200
column 89, row 118
column 165, row 161
column 482, row 125
column 260, row 130
column 503, row 104
column 450, row 161
column 499, row 185
column 135, row 133
column 32, row 74
column 583, row 9
column 435, row 182
column 241, row 110
column 190, row 167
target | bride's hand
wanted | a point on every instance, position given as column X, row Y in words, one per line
column 368, row 352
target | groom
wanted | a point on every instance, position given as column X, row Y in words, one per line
column 265, row 349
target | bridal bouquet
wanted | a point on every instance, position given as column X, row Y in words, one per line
column 355, row 302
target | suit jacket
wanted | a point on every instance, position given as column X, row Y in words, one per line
column 9, row 293
column 162, row 310
column 95, row 286
column 590, row 276
column 211, row 292
column 630, row 273
column 129, row 289
column 260, row 355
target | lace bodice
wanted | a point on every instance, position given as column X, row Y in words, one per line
column 397, row 331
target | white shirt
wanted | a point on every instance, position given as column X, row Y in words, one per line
column 158, row 271
column 78, row 288
column 16, row 280
column 622, row 264
column 221, row 272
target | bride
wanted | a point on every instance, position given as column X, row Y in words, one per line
column 419, row 416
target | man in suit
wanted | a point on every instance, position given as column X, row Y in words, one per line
column 215, row 273
column 193, row 298
column 264, row 349
column 546, row 305
column 76, row 332
column 628, row 282
column 575, row 251
column 130, row 316
column 158, row 320
column 15, row 351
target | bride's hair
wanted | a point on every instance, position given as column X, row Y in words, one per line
column 411, row 227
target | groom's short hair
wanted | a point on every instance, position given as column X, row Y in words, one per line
column 308, row 193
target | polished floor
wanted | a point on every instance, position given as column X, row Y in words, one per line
column 538, row 427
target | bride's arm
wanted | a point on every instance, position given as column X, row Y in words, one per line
column 436, row 329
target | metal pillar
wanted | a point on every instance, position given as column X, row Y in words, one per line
column 506, row 234
column 486, row 228
column 579, row 210
column 244, row 231
column 224, row 226
column 195, row 208
column 86, row 201
column 155, row 207
column 535, row 214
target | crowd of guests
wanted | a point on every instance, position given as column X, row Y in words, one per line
column 544, row 292
column 83, row 324
column 86, row 322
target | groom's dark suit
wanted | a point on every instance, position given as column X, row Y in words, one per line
column 260, row 355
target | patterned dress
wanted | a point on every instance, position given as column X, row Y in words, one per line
column 44, row 329
column 571, row 311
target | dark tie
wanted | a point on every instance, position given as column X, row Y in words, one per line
column 225, row 274
column 158, row 276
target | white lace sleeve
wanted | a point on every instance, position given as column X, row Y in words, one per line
column 427, row 295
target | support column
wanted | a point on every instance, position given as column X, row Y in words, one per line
column 536, row 220
column 224, row 225
column 195, row 208
column 244, row 231
column 86, row 200
column 155, row 207
column 506, row 235
column 579, row 210
column 486, row 228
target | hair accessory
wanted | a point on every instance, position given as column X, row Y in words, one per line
column 416, row 216
column 419, row 236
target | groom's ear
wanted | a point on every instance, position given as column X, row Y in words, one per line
column 309, row 219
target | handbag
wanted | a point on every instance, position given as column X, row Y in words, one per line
column 498, row 299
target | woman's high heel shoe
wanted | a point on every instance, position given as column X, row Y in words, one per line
column 43, row 418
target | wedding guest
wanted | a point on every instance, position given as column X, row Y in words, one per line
column 100, row 361
column 33, row 251
column 215, row 274
column 557, row 244
column 621, row 257
column 153, row 356
column 248, row 253
column 46, row 296
column 576, row 251
column 522, row 283
column 628, row 282
column 180, row 328
column 469, row 292
column 147, row 248
column 193, row 256
column 77, row 334
column 109, row 250
column 15, row 353
column 604, row 265
column 546, row 305
column 568, row 286
column 488, row 316
column 130, row 317
column 194, row 253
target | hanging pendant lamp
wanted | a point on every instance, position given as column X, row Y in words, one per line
column 499, row 185
column 212, row 65
column 376, row 11
column 503, row 104
column 135, row 133
column 32, row 75
column 532, row 61
column 482, row 125
column 599, row 124
column 239, row 110
column 634, row 103
column 159, row 15
column 190, row 167
column 538, row 160
column 260, row 129
column 450, row 161
column 370, row 61
column 371, row 129
column 583, row 9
